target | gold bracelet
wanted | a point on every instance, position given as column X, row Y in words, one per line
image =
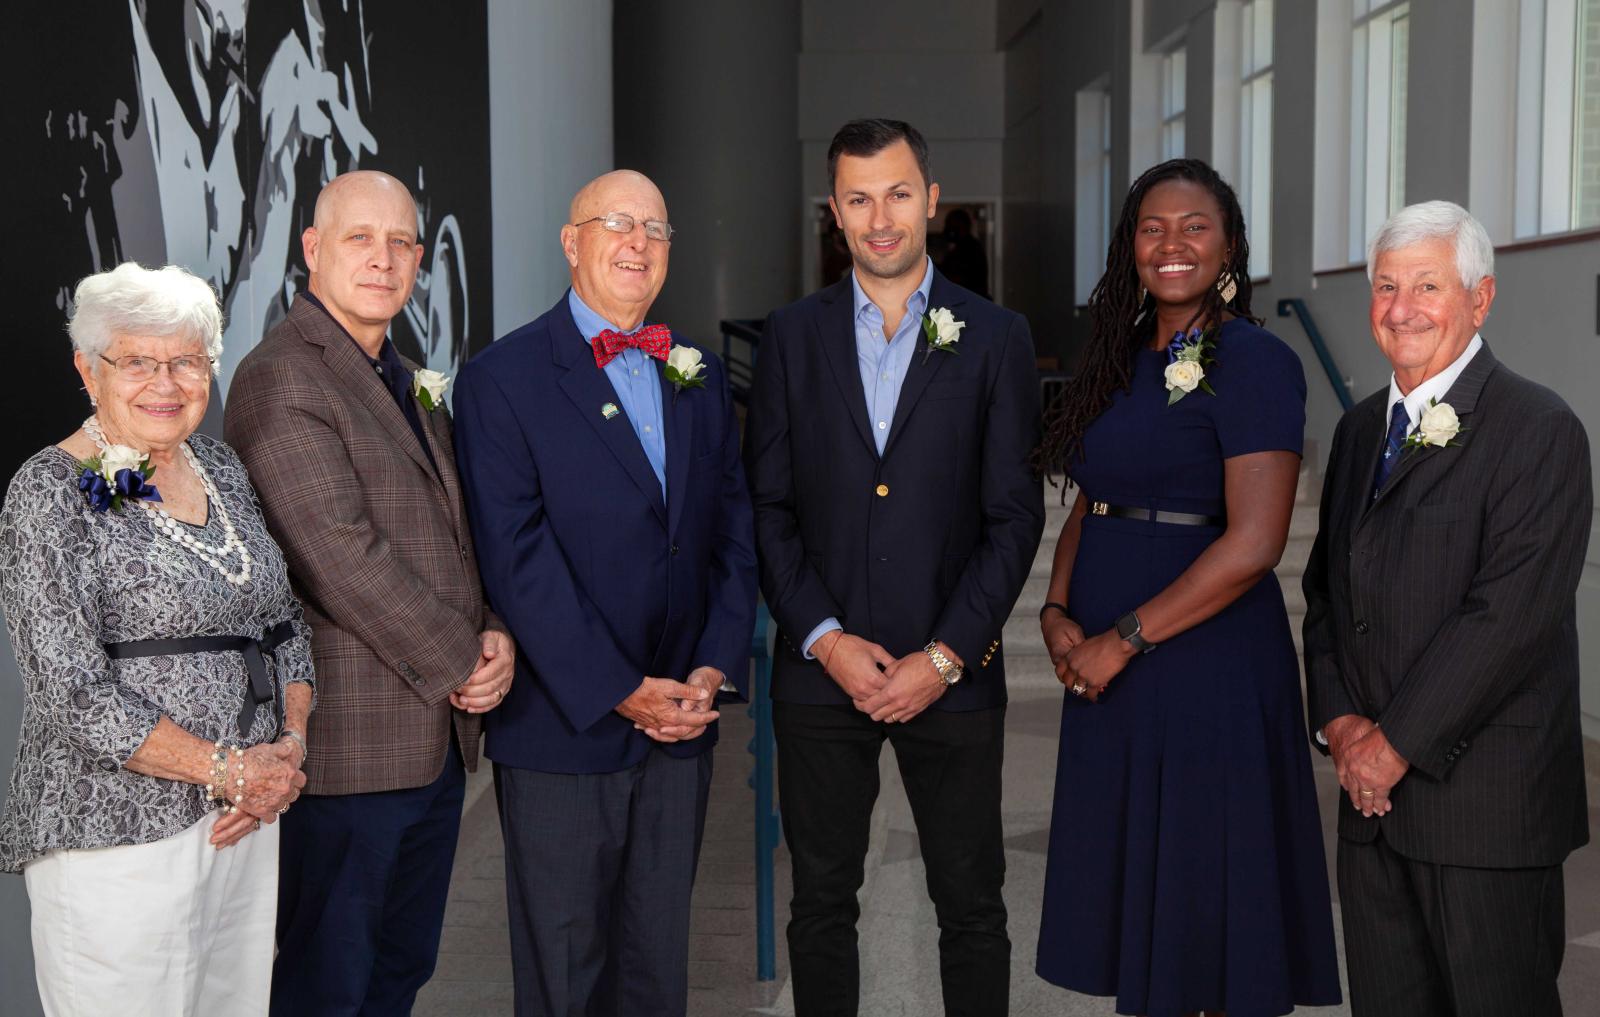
column 216, row 789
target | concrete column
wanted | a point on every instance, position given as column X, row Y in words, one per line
column 706, row 104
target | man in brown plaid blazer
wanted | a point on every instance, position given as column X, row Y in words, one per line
column 355, row 467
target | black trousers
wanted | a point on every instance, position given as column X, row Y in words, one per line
column 1429, row 940
column 599, row 874
column 827, row 785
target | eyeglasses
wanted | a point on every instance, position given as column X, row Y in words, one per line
column 136, row 368
column 621, row 222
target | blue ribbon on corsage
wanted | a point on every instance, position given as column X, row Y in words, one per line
column 104, row 494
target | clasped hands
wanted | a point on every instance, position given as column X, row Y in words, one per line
column 1367, row 765
column 885, row 688
column 272, row 781
column 490, row 679
column 1092, row 660
column 670, row 711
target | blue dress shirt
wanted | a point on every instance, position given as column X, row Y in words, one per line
column 638, row 386
column 883, row 371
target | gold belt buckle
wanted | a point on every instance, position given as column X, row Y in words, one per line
column 1098, row 508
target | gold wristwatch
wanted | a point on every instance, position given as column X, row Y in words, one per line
column 949, row 671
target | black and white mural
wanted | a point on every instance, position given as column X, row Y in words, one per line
column 198, row 132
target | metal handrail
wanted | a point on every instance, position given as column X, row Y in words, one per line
column 763, row 747
column 1341, row 385
column 741, row 369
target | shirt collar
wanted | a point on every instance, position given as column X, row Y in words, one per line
column 916, row 303
column 1435, row 387
column 589, row 321
column 387, row 354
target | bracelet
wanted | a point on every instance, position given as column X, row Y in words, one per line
column 217, row 789
column 1059, row 607
column 300, row 740
column 237, row 786
column 835, row 646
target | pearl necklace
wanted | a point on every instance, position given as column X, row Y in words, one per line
column 214, row 555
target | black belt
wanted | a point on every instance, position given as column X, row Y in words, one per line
column 259, row 691
column 1144, row 515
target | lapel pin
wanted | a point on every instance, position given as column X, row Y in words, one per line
column 609, row 410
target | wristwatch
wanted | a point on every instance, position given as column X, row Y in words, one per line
column 1128, row 628
column 949, row 671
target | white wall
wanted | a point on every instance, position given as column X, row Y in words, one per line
column 551, row 132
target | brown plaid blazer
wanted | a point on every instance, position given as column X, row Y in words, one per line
column 378, row 552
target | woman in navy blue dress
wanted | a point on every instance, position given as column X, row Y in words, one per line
column 1186, row 870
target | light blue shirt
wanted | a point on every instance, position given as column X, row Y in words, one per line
column 638, row 385
column 883, row 370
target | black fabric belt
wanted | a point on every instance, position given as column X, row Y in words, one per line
column 259, row 691
column 1144, row 515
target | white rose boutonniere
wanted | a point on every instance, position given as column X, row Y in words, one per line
column 683, row 369
column 1187, row 357
column 1438, row 427
column 942, row 330
column 429, row 388
column 117, row 458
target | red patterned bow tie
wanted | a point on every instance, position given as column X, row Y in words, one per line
column 653, row 340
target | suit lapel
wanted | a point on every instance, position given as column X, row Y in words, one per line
column 1463, row 398
column 924, row 363
column 677, row 412
column 351, row 366
column 589, row 390
column 835, row 327
column 443, row 452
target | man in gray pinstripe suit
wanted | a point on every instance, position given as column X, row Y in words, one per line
column 1441, row 646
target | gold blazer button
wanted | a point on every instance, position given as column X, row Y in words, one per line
column 883, row 490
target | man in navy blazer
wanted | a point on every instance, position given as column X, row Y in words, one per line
column 614, row 536
column 890, row 427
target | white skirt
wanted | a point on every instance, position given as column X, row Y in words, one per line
column 161, row 929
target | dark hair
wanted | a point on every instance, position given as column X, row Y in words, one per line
column 862, row 138
column 1122, row 316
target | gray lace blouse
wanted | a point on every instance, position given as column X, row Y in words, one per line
column 72, row 580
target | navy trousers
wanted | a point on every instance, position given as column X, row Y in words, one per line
column 599, row 871
column 362, row 882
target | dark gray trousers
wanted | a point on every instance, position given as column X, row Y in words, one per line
column 599, row 872
column 1429, row 940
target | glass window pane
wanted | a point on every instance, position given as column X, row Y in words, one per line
column 1586, row 131
column 1180, row 62
column 1261, row 39
column 1399, row 46
column 1247, row 53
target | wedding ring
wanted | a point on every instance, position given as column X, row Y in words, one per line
column 1079, row 688
column 258, row 824
column 1366, row 794
column 499, row 694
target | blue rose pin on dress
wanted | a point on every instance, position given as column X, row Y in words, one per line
column 115, row 475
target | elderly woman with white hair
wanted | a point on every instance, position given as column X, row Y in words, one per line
column 167, row 676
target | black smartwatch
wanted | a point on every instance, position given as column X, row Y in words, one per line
column 1128, row 628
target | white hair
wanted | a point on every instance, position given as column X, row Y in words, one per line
column 1438, row 220
column 133, row 300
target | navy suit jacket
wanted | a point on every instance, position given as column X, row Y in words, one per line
column 600, row 581
column 933, row 539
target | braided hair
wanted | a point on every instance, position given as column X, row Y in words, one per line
column 1122, row 316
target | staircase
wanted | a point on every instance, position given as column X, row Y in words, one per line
column 1028, row 666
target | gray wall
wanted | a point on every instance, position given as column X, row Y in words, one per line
column 898, row 58
column 550, row 111
column 712, row 121
column 1543, row 323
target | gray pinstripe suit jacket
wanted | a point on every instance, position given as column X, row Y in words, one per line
column 378, row 552
column 1445, row 610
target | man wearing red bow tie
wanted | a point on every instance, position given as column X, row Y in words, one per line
column 604, row 488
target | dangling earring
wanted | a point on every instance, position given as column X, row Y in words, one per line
column 1227, row 286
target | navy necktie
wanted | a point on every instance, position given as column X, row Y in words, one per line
column 1399, row 422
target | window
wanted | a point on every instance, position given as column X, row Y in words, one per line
column 1172, row 104
column 1557, row 117
column 1093, row 189
column 1255, row 131
column 1380, row 43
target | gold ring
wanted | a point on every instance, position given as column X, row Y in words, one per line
column 283, row 810
column 1367, row 794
